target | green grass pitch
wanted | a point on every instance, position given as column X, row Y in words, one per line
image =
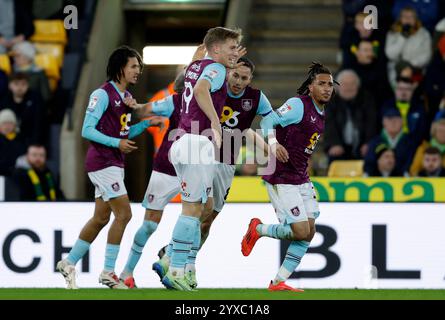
column 218, row 294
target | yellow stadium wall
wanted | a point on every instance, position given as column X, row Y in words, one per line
column 252, row 189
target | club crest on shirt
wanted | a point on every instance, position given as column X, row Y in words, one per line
column 150, row 198
column 115, row 187
column 295, row 211
column 246, row 104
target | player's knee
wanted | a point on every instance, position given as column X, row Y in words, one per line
column 153, row 215
column 101, row 222
column 300, row 232
column 310, row 235
column 300, row 235
column 124, row 217
column 205, row 227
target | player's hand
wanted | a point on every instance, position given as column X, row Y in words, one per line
column 279, row 152
column 127, row 146
column 241, row 53
column 156, row 121
column 132, row 103
column 217, row 133
column 200, row 52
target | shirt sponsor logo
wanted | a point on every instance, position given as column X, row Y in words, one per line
column 208, row 190
column 117, row 103
column 313, row 119
column 246, row 104
column 150, row 198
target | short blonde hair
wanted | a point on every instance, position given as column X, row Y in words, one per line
column 221, row 34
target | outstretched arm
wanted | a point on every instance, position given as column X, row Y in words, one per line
column 140, row 127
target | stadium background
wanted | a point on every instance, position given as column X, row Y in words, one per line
column 282, row 37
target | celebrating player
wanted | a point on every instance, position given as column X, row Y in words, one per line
column 107, row 126
column 193, row 154
column 242, row 104
column 299, row 125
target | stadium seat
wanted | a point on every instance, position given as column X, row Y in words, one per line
column 346, row 168
column 49, row 64
column 49, row 31
column 5, row 63
column 56, row 50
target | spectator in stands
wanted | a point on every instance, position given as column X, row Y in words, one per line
column 386, row 163
column 16, row 23
column 439, row 31
column 409, row 41
column 352, row 7
column 426, row 10
column 351, row 119
column 432, row 164
column 412, row 110
column 434, row 84
column 24, row 54
column 349, row 43
column 405, row 70
column 27, row 106
column 34, row 180
column 53, row 9
column 437, row 140
column 392, row 135
column 371, row 71
column 11, row 144
column 3, row 83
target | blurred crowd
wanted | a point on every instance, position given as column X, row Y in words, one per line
column 390, row 107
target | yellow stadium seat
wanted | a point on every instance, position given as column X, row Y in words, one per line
column 49, row 31
column 346, row 168
column 5, row 63
column 49, row 64
column 55, row 50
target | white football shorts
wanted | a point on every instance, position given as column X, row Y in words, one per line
column 293, row 203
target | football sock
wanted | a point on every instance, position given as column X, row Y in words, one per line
column 191, row 258
column 277, row 231
column 111, row 252
column 183, row 238
column 140, row 239
column 168, row 251
column 294, row 254
column 78, row 251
